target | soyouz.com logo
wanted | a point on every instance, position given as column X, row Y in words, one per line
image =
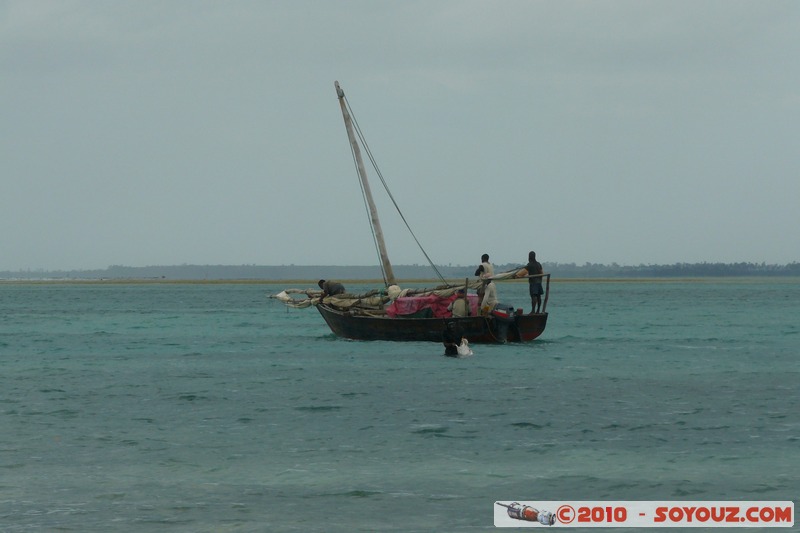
column 644, row 514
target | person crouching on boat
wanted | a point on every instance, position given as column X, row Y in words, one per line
column 330, row 288
column 489, row 296
column 460, row 306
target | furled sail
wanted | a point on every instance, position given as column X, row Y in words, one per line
column 376, row 300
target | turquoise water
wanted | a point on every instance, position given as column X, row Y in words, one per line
column 211, row 408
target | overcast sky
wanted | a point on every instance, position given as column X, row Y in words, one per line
column 157, row 133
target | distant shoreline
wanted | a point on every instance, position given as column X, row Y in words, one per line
column 404, row 282
column 293, row 273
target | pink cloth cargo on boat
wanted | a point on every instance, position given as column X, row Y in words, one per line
column 409, row 305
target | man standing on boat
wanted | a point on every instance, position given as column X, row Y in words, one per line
column 484, row 270
column 489, row 296
column 330, row 288
column 533, row 268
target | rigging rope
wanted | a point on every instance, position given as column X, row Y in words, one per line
column 391, row 197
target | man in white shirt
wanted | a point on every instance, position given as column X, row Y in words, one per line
column 484, row 270
column 489, row 296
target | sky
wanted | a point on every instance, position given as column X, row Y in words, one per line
column 145, row 133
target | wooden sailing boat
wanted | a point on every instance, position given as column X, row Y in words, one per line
column 371, row 316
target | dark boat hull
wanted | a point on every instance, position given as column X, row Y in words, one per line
column 477, row 329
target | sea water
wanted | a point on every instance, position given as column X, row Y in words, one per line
column 208, row 407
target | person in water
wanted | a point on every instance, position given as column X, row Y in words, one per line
column 330, row 288
column 451, row 338
column 535, row 289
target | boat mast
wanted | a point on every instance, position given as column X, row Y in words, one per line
column 362, row 174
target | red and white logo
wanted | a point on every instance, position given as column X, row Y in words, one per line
column 644, row 514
